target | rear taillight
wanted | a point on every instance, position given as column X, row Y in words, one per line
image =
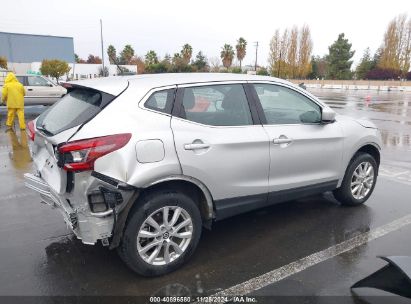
column 80, row 155
column 30, row 130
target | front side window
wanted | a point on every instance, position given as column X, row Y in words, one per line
column 217, row 105
column 282, row 105
column 161, row 101
column 37, row 81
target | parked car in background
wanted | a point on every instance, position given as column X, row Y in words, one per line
column 40, row 90
column 142, row 163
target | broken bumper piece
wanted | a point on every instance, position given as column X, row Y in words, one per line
column 395, row 277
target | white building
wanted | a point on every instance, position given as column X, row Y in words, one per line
column 86, row 70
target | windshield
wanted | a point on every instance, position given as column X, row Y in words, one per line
column 75, row 108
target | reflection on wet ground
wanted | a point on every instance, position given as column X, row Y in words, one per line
column 390, row 111
column 39, row 256
column 20, row 154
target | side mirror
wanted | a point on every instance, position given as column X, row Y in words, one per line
column 327, row 115
column 50, row 85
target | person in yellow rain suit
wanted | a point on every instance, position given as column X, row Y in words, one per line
column 13, row 95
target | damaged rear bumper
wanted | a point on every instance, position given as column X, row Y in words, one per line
column 76, row 207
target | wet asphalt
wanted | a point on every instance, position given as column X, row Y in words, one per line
column 40, row 257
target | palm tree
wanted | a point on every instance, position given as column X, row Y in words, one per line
column 187, row 52
column 151, row 58
column 112, row 55
column 127, row 54
column 227, row 55
column 176, row 59
column 241, row 49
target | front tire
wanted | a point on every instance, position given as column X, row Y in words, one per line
column 359, row 180
column 162, row 233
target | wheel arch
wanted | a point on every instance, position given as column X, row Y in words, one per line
column 368, row 147
column 191, row 187
column 371, row 149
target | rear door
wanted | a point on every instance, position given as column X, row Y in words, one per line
column 220, row 142
column 304, row 153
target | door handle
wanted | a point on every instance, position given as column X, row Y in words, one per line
column 282, row 140
column 196, row 146
column 29, row 89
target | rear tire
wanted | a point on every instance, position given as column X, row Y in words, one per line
column 172, row 241
column 359, row 180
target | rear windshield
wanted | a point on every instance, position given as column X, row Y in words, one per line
column 75, row 108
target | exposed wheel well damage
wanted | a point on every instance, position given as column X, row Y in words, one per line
column 202, row 198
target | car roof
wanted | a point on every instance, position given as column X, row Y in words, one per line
column 159, row 80
column 116, row 84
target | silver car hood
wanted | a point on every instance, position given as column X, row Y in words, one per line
column 361, row 121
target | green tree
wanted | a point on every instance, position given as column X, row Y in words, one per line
column 186, row 53
column 78, row 59
column 262, row 72
column 366, row 64
column 201, row 62
column 241, row 49
column 318, row 67
column 112, row 54
column 54, row 68
column 3, row 62
column 227, row 55
column 126, row 54
column 151, row 58
column 178, row 64
column 160, row 67
column 167, row 59
column 339, row 63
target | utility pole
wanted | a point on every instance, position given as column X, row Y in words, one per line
column 256, row 54
column 102, row 47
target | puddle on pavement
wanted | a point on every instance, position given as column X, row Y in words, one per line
column 19, row 153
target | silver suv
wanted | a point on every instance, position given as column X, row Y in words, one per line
column 142, row 163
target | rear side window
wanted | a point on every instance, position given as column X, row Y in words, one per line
column 217, row 105
column 75, row 108
column 161, row 101
column 37, row 81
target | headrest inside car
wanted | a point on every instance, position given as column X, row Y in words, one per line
column 188, row 99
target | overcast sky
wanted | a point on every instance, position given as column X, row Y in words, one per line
column 165, row 26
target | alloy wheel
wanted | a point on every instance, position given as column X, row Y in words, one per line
column 164, row 235
column 362, row 180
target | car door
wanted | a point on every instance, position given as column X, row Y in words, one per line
column 40, row 91
column 305, row 154
column 220, row 142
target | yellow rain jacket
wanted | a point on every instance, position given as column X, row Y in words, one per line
column 13, row 92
